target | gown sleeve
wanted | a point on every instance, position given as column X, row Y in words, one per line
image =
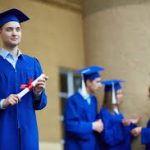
column 112, row 133
column 74, row 125
column 145, row 136
column 40, row 102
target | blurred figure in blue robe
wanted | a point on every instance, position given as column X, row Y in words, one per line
column 116, row 134
column 18, row 125
column 144, row 131
column 80, row 116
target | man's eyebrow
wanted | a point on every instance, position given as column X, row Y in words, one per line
column 13, row 27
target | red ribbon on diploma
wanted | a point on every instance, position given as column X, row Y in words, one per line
column 29, row 85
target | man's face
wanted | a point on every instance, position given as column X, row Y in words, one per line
column 94, row 85
column 119, row 95
column 11, row 34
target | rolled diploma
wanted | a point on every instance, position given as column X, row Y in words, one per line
column 26, row 90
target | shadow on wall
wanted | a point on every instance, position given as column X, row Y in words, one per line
column 97, row 5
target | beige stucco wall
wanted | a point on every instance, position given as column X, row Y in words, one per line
column 54, row 36
column 117, row 36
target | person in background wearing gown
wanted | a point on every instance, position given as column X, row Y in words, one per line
column 144, row 131
column 80, row 116
column 116, row 134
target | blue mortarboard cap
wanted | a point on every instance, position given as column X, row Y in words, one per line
column 91, row 72
column 110, row 83
column 12, row 15
column 112, row 86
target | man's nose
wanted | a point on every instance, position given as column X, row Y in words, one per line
column 14, row 32
column 100, row 84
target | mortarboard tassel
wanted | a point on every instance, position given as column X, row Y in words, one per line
column 113, row 95
column 83, row 87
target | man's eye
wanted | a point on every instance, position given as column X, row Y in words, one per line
column 8, row 29
column 18, row 29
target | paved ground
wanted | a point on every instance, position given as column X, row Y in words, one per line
column 50, row 146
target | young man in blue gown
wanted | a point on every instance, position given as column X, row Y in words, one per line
column 18, row 125
column 80, row 116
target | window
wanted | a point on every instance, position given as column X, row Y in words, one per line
column 70, row 81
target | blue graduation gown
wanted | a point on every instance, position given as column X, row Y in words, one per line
column 145, row 136
column 78, row 118
column 115, row 135
column 18, row 125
